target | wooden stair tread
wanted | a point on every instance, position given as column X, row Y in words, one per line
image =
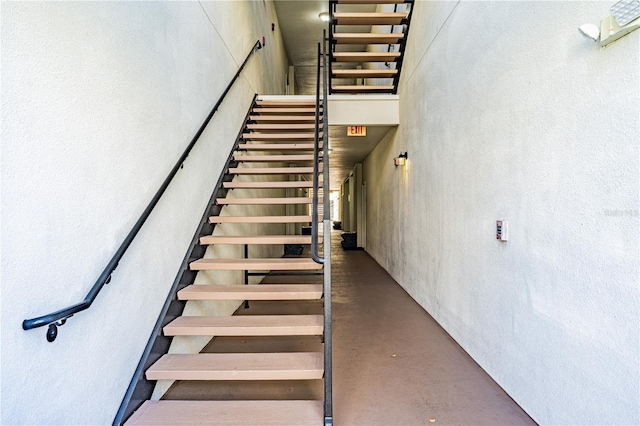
column 282, row 126
column 255, row 264
column 269, row 185
column 261, row 219
column 262, row 201
column 362, row 89
column 256, row 239
column 365, row 73
column 282, row 118
column 294, row 110
column 246, row 325
column 273, row 170
column 284, row 104
column 276, row 136
column 366, row 56
column 375, row 18
column 276, row 146
column 273, row 158
column 238, row 366
column 367, row 38
column 228, row 413
column 252, row 292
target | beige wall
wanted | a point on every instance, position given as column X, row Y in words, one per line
column 99, row 99
column 507, row 112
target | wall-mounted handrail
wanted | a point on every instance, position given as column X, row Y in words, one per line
column 59, row 317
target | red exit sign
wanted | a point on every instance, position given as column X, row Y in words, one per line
column 356, row 131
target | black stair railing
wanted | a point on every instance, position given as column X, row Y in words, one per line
column 58, row 318
column 325, row 259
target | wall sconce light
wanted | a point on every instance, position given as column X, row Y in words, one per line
column 401, row 159
column 624, row 18
column 324, row 16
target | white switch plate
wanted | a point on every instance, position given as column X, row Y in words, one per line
column 502, row 230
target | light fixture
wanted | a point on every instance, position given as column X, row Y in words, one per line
column 324, row 16
column 401, row 159
column 624, row 18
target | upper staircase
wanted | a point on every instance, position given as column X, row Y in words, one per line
column 277, row 141
column 368, row 39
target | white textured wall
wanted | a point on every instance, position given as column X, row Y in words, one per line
column 507, row 112
column 99, row 99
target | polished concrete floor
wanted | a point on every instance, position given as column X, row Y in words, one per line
column 392, row 363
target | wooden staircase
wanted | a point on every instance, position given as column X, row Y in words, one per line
column 277, row 142
column 368, row 39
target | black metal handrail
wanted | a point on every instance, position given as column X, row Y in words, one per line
column 316, row 153
column 59, row 317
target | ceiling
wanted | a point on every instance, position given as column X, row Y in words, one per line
column 302, row 30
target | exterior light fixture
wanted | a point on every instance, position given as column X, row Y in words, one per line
column 624, row 18
column 324, row 16
column 401, row 159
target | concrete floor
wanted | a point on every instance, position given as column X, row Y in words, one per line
column 392, row 363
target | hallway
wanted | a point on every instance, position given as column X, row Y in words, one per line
column 392, row 363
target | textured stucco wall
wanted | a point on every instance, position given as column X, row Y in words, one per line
column 99, row 99
column 507, row 112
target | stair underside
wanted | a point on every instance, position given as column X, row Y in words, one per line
column 362, row 89
column 261, row 219
column 366, row 56
column 367, row 38
column 365, row 73
column 276, row 264
column 228, row 413
column 252, row 292
column 285, row 104
column 257, row 239
column 246, row 325
column 282, row 126
column 384, row 18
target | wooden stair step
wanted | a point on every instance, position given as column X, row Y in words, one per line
column 247, row 325
column 238, row 366
column 376, row 18
column 252, row 292
column 295, row 110
column 365, row 73
column 261, row 219
column 283, row 118
column 282, row 126
column 273, row 170
column 228, row 413
column 279, row 136
column 269, row 185
column 367, row 38
column 256, row 239
column 366, row 56
column 273, row 158
column 276, row 146
column 264, row 201
column 284, row 104
column 362, row 89
column 256, row 264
